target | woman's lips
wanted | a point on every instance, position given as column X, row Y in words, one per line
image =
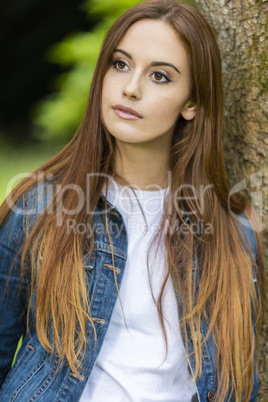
column 126, row 112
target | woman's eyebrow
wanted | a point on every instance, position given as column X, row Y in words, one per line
column 154, row 63
column 123, row 51
column 164, row 63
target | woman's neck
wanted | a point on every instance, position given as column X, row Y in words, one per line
column 141, row 166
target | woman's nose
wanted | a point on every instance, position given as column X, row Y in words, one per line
column 132, row 88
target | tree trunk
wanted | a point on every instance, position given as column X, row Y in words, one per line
column 240, row 27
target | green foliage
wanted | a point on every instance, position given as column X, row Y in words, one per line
column 17, row 350
column 58, row 116
column 17, row 163
column 111, row 8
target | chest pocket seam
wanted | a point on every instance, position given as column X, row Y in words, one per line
column 89, row 261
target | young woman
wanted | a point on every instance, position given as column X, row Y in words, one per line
column 128, row 269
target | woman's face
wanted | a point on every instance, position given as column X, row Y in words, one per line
column 147, row 86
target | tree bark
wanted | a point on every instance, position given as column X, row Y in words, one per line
column 240, row 26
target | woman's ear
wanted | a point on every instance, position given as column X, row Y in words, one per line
column 189, row 110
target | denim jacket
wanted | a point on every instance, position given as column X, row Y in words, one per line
column 34, row 376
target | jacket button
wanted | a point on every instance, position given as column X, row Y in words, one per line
column 211, row 396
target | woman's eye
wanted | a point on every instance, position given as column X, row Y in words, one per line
column 160, row 77
column 119, row 64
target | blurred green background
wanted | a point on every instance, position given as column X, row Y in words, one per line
column 50, row 53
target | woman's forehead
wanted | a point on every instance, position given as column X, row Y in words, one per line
column 153, row 40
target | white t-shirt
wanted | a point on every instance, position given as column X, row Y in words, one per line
column 131, row 365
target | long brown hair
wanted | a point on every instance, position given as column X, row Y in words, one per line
column 226, row 291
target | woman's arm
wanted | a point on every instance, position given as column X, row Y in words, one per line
column 13, row 290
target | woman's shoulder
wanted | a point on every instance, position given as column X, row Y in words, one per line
column 29, row 206
column 249, row 228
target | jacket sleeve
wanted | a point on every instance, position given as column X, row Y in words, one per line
column 13, row 291
column 248, row 234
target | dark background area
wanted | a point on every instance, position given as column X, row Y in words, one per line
column 27, row 29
